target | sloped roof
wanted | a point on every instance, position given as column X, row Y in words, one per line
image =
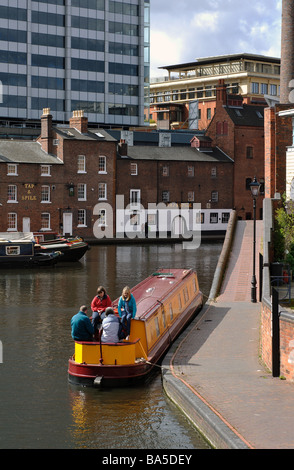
column 246, row 115
column 12, row 151
column 184, row 153
column 71, row 133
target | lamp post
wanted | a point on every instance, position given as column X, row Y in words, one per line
column 254, row 187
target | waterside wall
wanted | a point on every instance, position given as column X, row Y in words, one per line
column 286, row 315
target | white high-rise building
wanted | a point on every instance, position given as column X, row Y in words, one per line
column 67, row 55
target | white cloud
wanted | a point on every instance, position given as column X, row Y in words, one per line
column 184, row 31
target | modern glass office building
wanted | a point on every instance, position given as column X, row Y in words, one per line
column 69, row 55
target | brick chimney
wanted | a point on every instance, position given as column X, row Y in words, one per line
column 123, row 148
column 287, row 50
column 221, row 93
column 79, row 121
column 46, row 131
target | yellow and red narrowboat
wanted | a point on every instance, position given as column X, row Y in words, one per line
column 166, row 301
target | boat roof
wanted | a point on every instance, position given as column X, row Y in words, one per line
column 6, row 237
column 154, row 289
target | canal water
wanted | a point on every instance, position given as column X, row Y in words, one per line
column 39, row 409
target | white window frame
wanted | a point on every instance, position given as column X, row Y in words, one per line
column 134, row 169
column 11, row 217
column 45, row 194
column 135, row 197
column 102, row 164
column 82, row 218
column 43, row 219
column 82, row 191
column 12, row 169
column 81, row 164
column 102, row 191
column 102, row 218
column 12, row 191
column 45, row 170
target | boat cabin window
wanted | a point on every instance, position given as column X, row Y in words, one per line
column 171, row 311
column 186, row 294
column 157, row 326
column 194, row 285
column 180, row 301
column 12, row 250
column 163, row 319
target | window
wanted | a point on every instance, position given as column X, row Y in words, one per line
column 45, row 221
column 45, row 170
column 157, row 326
column 134, row 169
column 225, row 217
column 165, row 170
column 255, row 87
column 12, row 169
column 102, row 164
column 135, row 196
column 249, row 152
column 213, row 218
column 190, row 196
column 165, row 196
column 12, row 193
column 81, row 164
column 81, row 217
column 171, row 311
column 214, row 196
column 12, row 250
column 273, row 90
column 190, row 170
column 213, row 172
column 82, row 192
column 45, row 194
column 102, row 217
column 200, row 218
column 102, row 194
column 263, row 88
column 180, row 302
column 247, row 183
column 208, row 113
column 11, row 221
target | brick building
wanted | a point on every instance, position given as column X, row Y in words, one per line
column 186, row 97
column 53, row 184
column 238, row 129
column 172, row 175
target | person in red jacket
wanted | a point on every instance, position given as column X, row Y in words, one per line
column 98, row 305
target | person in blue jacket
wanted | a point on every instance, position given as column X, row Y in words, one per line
column 81, row 326
column 127, row 308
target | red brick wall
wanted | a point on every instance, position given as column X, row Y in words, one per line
column 278, row 136
column 286, row 342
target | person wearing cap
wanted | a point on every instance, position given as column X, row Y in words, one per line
column 81, row 326
column 110, row 327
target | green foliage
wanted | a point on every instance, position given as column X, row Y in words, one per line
column 284, row 233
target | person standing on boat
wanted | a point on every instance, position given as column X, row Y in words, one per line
column 127, row 308
column 98, row 305
column 110, row 327
column 81, row 326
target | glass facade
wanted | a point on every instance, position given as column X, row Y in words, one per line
column 75, row 54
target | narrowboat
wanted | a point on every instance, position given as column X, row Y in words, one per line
column 73, row 249
column 20, row 252
column 166, row 302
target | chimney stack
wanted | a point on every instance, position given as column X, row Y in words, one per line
column 79, row 121
column 287, row 51
column 46, row 131
column 221, row 93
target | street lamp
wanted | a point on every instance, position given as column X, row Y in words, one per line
column 254, row 187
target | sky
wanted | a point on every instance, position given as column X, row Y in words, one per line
column 183, row 30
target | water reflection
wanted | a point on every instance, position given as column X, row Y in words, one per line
column 39, row 409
